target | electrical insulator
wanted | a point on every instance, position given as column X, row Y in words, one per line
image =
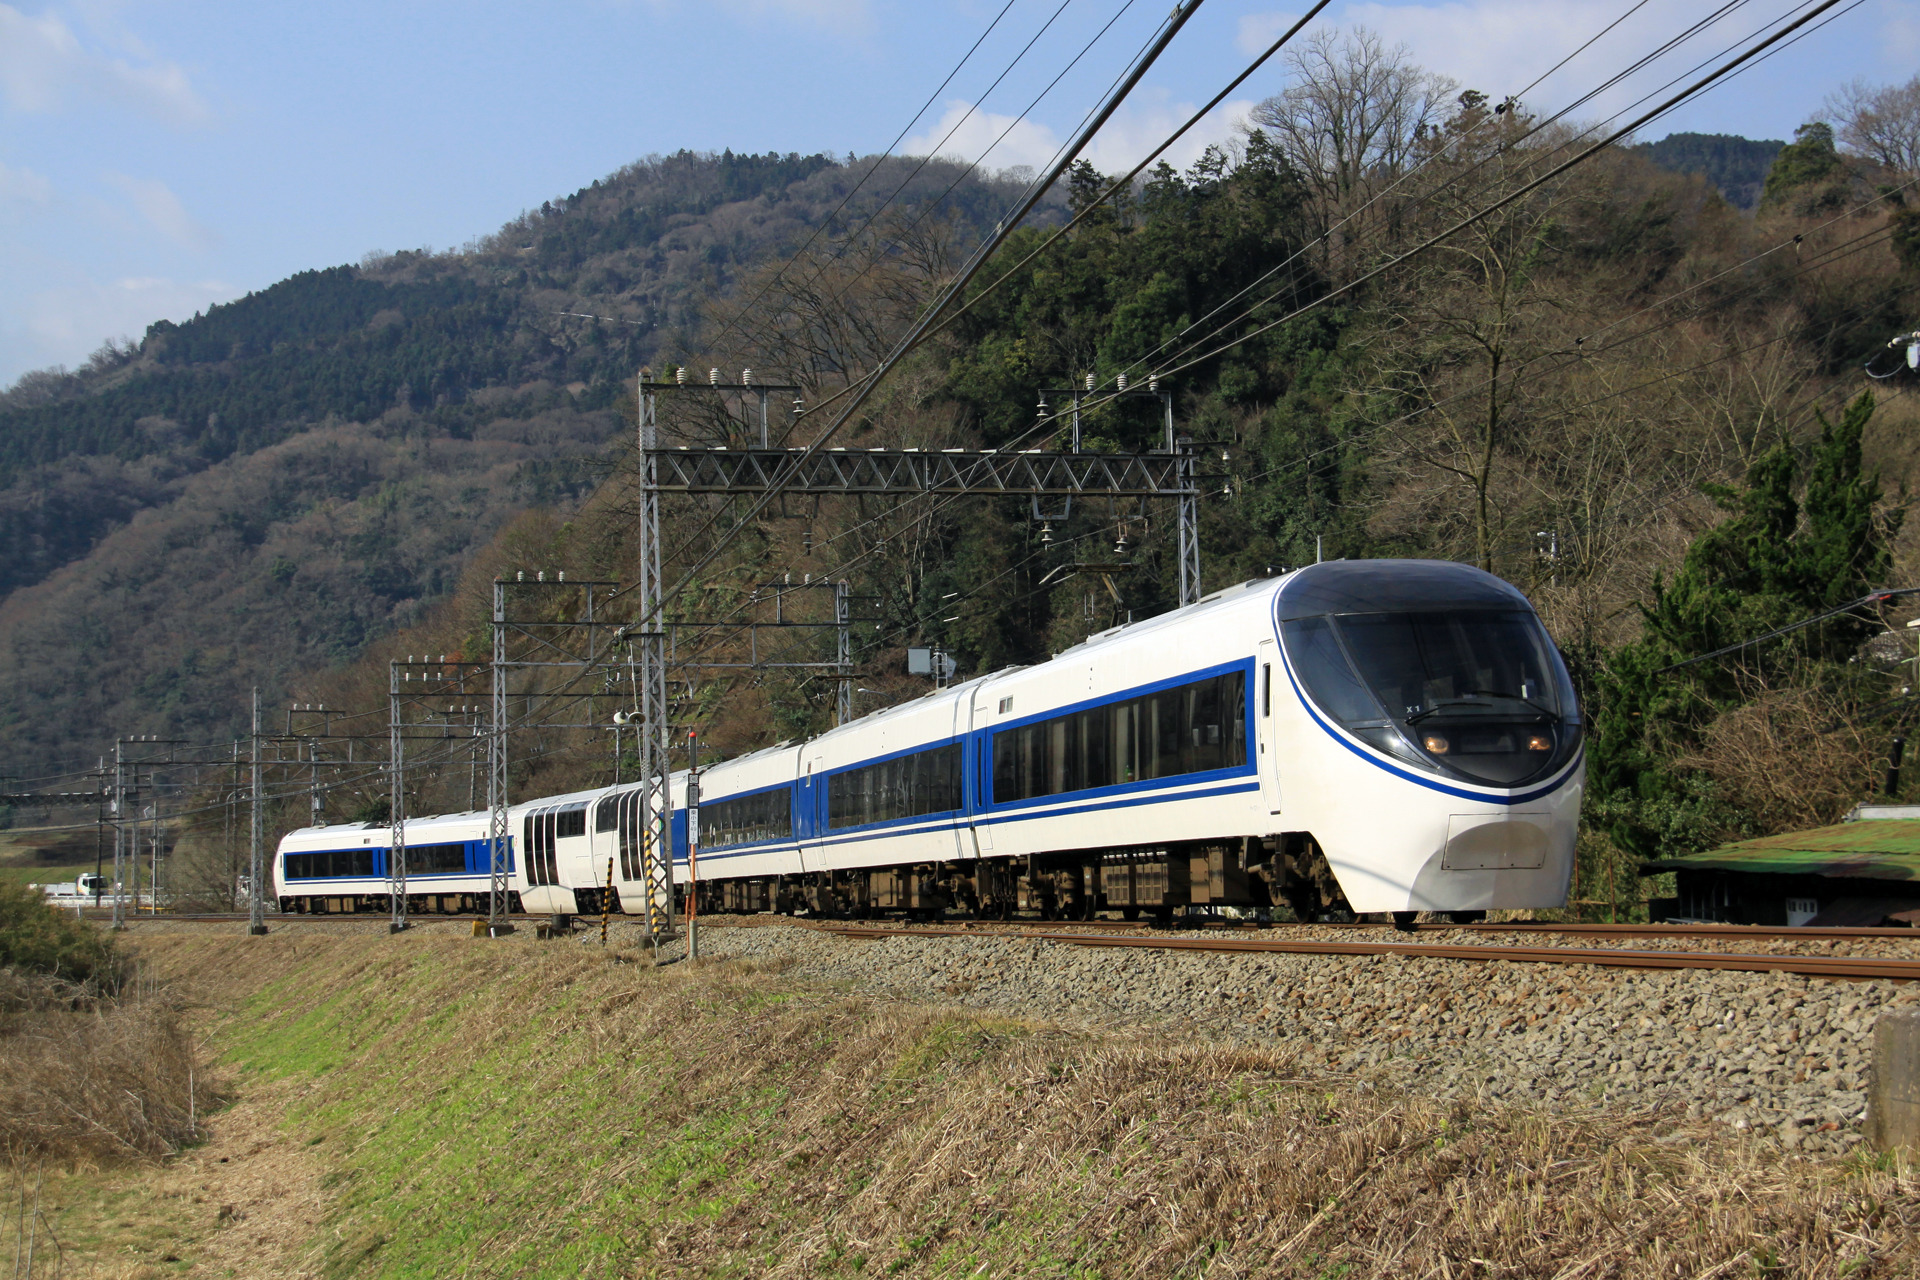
column 713, row 377
column 746, row 377
column 1089, row 382
column 1153, row 382
column 1046, row 533
column 680, row 375
column 1120, row 382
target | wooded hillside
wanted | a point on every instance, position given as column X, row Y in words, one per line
column 262, row 490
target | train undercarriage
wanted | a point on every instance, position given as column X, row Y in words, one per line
column 1256, row 877
column 418, row 904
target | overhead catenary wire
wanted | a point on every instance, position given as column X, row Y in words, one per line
column 1170, row 28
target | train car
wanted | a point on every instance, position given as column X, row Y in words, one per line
column 1386, row 736
column 1374, row 736
column 344, row 867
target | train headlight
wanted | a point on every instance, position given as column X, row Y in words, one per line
column 1436, row 744
column 1539, row 742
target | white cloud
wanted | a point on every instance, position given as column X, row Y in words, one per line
column 1134, row 130
column 1139, row 126
column 156, row 203
column 23, row 186
column 1503, row 47
column 995, row 141
column 44, row 66
column 67, row 323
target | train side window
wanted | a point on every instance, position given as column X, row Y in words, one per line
column 606, row 814
column 767, row 815
column 569, row 822
column 1266, row 689
column 910, row 786
column 1191, row 728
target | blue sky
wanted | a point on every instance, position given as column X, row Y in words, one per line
column 158, row 155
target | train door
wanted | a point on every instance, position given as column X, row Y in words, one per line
column 979, row 749
column 963, row 840
column 809, row 811
column 1266, row 672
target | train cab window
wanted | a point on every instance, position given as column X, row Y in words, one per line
column 1191, row 728
column 1323, row 668
column 1477, row 693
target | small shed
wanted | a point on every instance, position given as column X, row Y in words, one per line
column 1864, row 871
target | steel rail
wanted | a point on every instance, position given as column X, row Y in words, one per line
column 1753, row 932
column 1605, row 957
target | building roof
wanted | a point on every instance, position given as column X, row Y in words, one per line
column 1873, row 849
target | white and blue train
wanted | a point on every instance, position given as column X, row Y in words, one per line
column 1353, row 737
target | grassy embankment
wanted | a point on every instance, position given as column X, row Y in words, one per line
column 436, row 1105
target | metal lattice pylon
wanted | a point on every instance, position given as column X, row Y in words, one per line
column 656, row 733
column 396, row 805
column 498, row 836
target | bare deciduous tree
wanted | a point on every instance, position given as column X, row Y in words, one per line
column 1352, row 118
column 1881, row 123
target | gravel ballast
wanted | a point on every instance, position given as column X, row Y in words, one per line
column 1783, row 1055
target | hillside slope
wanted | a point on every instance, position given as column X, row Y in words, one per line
column 269, row 485
column 443, row 1105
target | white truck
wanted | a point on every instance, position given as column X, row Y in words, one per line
column 84, row 888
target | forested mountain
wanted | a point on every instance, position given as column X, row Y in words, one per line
column 270, row 484
column 1737, row 167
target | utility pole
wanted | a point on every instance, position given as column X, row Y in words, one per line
column 256, row 896
column 119, row 833
column 99, row 831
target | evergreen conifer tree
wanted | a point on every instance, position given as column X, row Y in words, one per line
column 1775, row 560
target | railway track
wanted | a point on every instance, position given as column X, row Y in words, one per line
column 1854, row 967
column 977, row 928
column 1232, row 937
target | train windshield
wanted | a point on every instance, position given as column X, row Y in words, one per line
column 1478, row 693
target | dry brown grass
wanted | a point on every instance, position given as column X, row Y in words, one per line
column 720, row 1119
column 94, row 1078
